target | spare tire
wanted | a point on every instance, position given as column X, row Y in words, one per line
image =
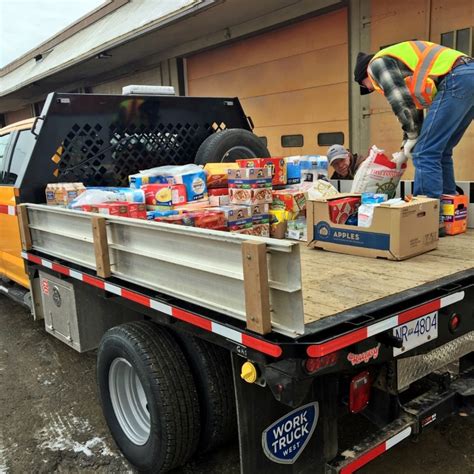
column 230, row 145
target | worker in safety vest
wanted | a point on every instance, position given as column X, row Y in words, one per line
column 416, row 75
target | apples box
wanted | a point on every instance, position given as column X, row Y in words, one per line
column 397, row 231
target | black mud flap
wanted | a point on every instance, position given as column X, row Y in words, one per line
column 275, row 438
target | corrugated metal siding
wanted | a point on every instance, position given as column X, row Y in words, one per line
column 124, row 22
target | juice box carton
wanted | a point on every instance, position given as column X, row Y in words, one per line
column 454, row 209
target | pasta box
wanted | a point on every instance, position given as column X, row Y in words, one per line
column 397, row 231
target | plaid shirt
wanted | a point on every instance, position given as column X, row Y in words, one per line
column 389, row 73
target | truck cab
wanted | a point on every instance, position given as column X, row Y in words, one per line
column 16, row 144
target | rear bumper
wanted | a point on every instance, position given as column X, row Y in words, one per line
column 419, row 414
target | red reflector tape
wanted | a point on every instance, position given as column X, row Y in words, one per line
column 319, row 350
column 136, row 297
column 261, row 346
column 199, row 321
column 93, row 281
column 375, row 452
column 192, row 319
column 9, row 210
column 61, row 269
column 414, row 313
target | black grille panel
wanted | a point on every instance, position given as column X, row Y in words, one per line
column 107, row 157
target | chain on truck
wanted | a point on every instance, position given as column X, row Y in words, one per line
column 205, row 336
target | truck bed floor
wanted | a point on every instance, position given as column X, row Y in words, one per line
column 335, row 282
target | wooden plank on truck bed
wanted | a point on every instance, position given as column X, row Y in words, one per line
column 23, row 223
column 101, row 247
column 334, row 282
column 257, row 292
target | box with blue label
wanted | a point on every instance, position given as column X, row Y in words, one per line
column 396, row 232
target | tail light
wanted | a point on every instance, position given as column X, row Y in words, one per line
column 359, row 392
column 313, row 364
column 454, row 322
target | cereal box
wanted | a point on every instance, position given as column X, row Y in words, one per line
column 250, row 196
column 277, row 166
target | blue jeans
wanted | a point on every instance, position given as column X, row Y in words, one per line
column 447, row 119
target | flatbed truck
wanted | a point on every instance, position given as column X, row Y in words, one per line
column 203, row 335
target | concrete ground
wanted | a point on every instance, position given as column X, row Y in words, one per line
column 50, row 419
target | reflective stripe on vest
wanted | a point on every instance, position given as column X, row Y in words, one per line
column 425, row 59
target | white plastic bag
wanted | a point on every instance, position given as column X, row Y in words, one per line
column 379, row 174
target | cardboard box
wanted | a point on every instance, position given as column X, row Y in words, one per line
column 454, row 209
column 341, row 209
column 277, row 166
column 164, row 194
column 250, row 196
column 247, row 178
column 260, row 219
column 61, row 194
column 237, row 217
column 216, row 174
column 397, row 232
column 217, row 201
column 109, row 209
column 289, row 200
column 137, row 210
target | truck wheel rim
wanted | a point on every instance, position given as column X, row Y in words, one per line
column 237, row 153
column 129, row 401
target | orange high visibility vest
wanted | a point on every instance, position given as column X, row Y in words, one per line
column 427, row 61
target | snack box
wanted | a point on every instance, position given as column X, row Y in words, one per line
column 137, row 210
column 397, row 232
column 289, row 199
column 277, row 165
column 193, row 206
column 237, row 217
column 341, row 208
column 454, row 210
column 208, row 219
column 260, row 219
column 223, row 200
column 195, row 184
column 178, row 220
column 250, row 196
column 110, row 209
column 217, row 174
column 247, row 178
column 218, row 192
column 164, row 194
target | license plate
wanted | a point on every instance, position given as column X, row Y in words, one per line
column 416, row 332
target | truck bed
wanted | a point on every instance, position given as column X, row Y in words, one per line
column 333, row 282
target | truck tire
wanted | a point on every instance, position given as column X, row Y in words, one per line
column 230, row 145
column 148, row 396
column 212, row 371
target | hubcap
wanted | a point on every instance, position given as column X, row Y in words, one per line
column 129, row 401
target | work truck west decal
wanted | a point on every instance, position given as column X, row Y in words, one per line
column 284, row 440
